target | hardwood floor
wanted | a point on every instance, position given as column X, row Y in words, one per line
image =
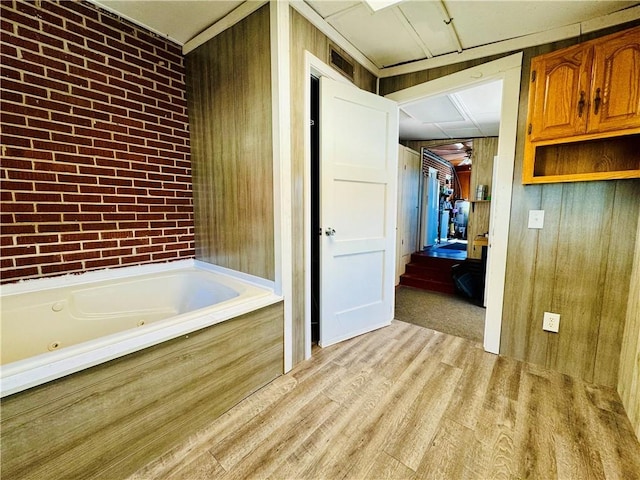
column 408, row 402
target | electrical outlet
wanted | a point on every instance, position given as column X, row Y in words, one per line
column 551, row 322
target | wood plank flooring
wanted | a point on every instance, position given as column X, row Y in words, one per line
column 407, row 402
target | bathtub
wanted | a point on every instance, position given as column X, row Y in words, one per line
column 51, row 328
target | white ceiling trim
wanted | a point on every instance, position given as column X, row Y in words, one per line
column 243, row 11
column 310, row 14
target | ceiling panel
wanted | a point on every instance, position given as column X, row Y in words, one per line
column 472, row 112
column 427, row 21
column 483, row 22
column 384, row 37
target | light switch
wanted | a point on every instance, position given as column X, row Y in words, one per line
column 536, row 218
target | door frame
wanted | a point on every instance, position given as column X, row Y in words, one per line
column 316, row 67
column 508, row 69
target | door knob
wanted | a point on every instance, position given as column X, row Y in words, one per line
column 330, row 232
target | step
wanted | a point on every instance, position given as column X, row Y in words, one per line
column 427, row 284
column 437, row 262
column 429, row 271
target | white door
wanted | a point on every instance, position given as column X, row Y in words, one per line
column 358, row 163
column 409, row 173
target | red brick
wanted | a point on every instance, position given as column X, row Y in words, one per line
column 106, row 262
column 18, row 273
column 79, row 237
column 17, row 251
column 37, row 260
column 38, row 197
column 58, row 227
column 57, row 207
column 59, row 247
column 136, row 259
column 82, row 217
column 83, row 255
column 100, row 244
column 35, row 239
column 37, row 217
column 20, row 19
column 61, row 267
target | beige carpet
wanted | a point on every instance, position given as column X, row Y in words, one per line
column 441, row 312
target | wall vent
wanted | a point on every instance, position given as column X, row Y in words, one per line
column 339, row 61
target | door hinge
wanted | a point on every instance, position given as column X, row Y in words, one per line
column 529, row 129
column 533, row 76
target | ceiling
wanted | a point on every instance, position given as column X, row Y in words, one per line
column 404, row 32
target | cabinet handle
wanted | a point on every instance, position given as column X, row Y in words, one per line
column 581, row 104
column 596, row 102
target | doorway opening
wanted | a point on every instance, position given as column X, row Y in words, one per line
column 314, row 133
column 508, row 71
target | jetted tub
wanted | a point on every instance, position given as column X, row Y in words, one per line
column 53, row 327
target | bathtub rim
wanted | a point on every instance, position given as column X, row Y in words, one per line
column 33, row 371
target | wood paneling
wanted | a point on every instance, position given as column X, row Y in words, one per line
column 484, row 149
column 578, row 265
column 229, row 100
column 405, row 402
column 629, row 376
column 305, row 37
column 107, row 421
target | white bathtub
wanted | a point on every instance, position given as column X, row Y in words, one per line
column 54, row 327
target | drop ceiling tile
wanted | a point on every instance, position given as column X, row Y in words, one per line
column 326, row 9
column 382, row 36
column 485, row 98
column 436, row 109
column 429, row 25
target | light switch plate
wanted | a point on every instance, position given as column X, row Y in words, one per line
column 536, row 218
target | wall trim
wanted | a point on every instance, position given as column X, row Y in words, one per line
column 282, row 170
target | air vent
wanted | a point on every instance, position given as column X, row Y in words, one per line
column 340, row 62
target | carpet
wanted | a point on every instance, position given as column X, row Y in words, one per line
column 441, row 312
column 454, row 246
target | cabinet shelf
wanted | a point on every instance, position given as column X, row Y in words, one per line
column 599, row 159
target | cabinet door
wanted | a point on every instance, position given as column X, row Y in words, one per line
column 558, row 105
column 615, row 97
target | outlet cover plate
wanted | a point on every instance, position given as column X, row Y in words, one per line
column 536, row 219
column 551, row 322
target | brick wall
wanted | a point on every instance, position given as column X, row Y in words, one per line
column 443, row 170
column 95, row 167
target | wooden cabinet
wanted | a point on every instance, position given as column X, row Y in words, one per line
column 582, row 101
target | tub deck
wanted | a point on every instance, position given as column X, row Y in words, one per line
column 108, row 420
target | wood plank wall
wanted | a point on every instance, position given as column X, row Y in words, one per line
column 484, row 149
column 629, row 377
column 579, row 265
column 304, row 36
column 229, row 102
column 109, row 420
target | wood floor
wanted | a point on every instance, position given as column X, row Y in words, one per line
column 408, row 402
